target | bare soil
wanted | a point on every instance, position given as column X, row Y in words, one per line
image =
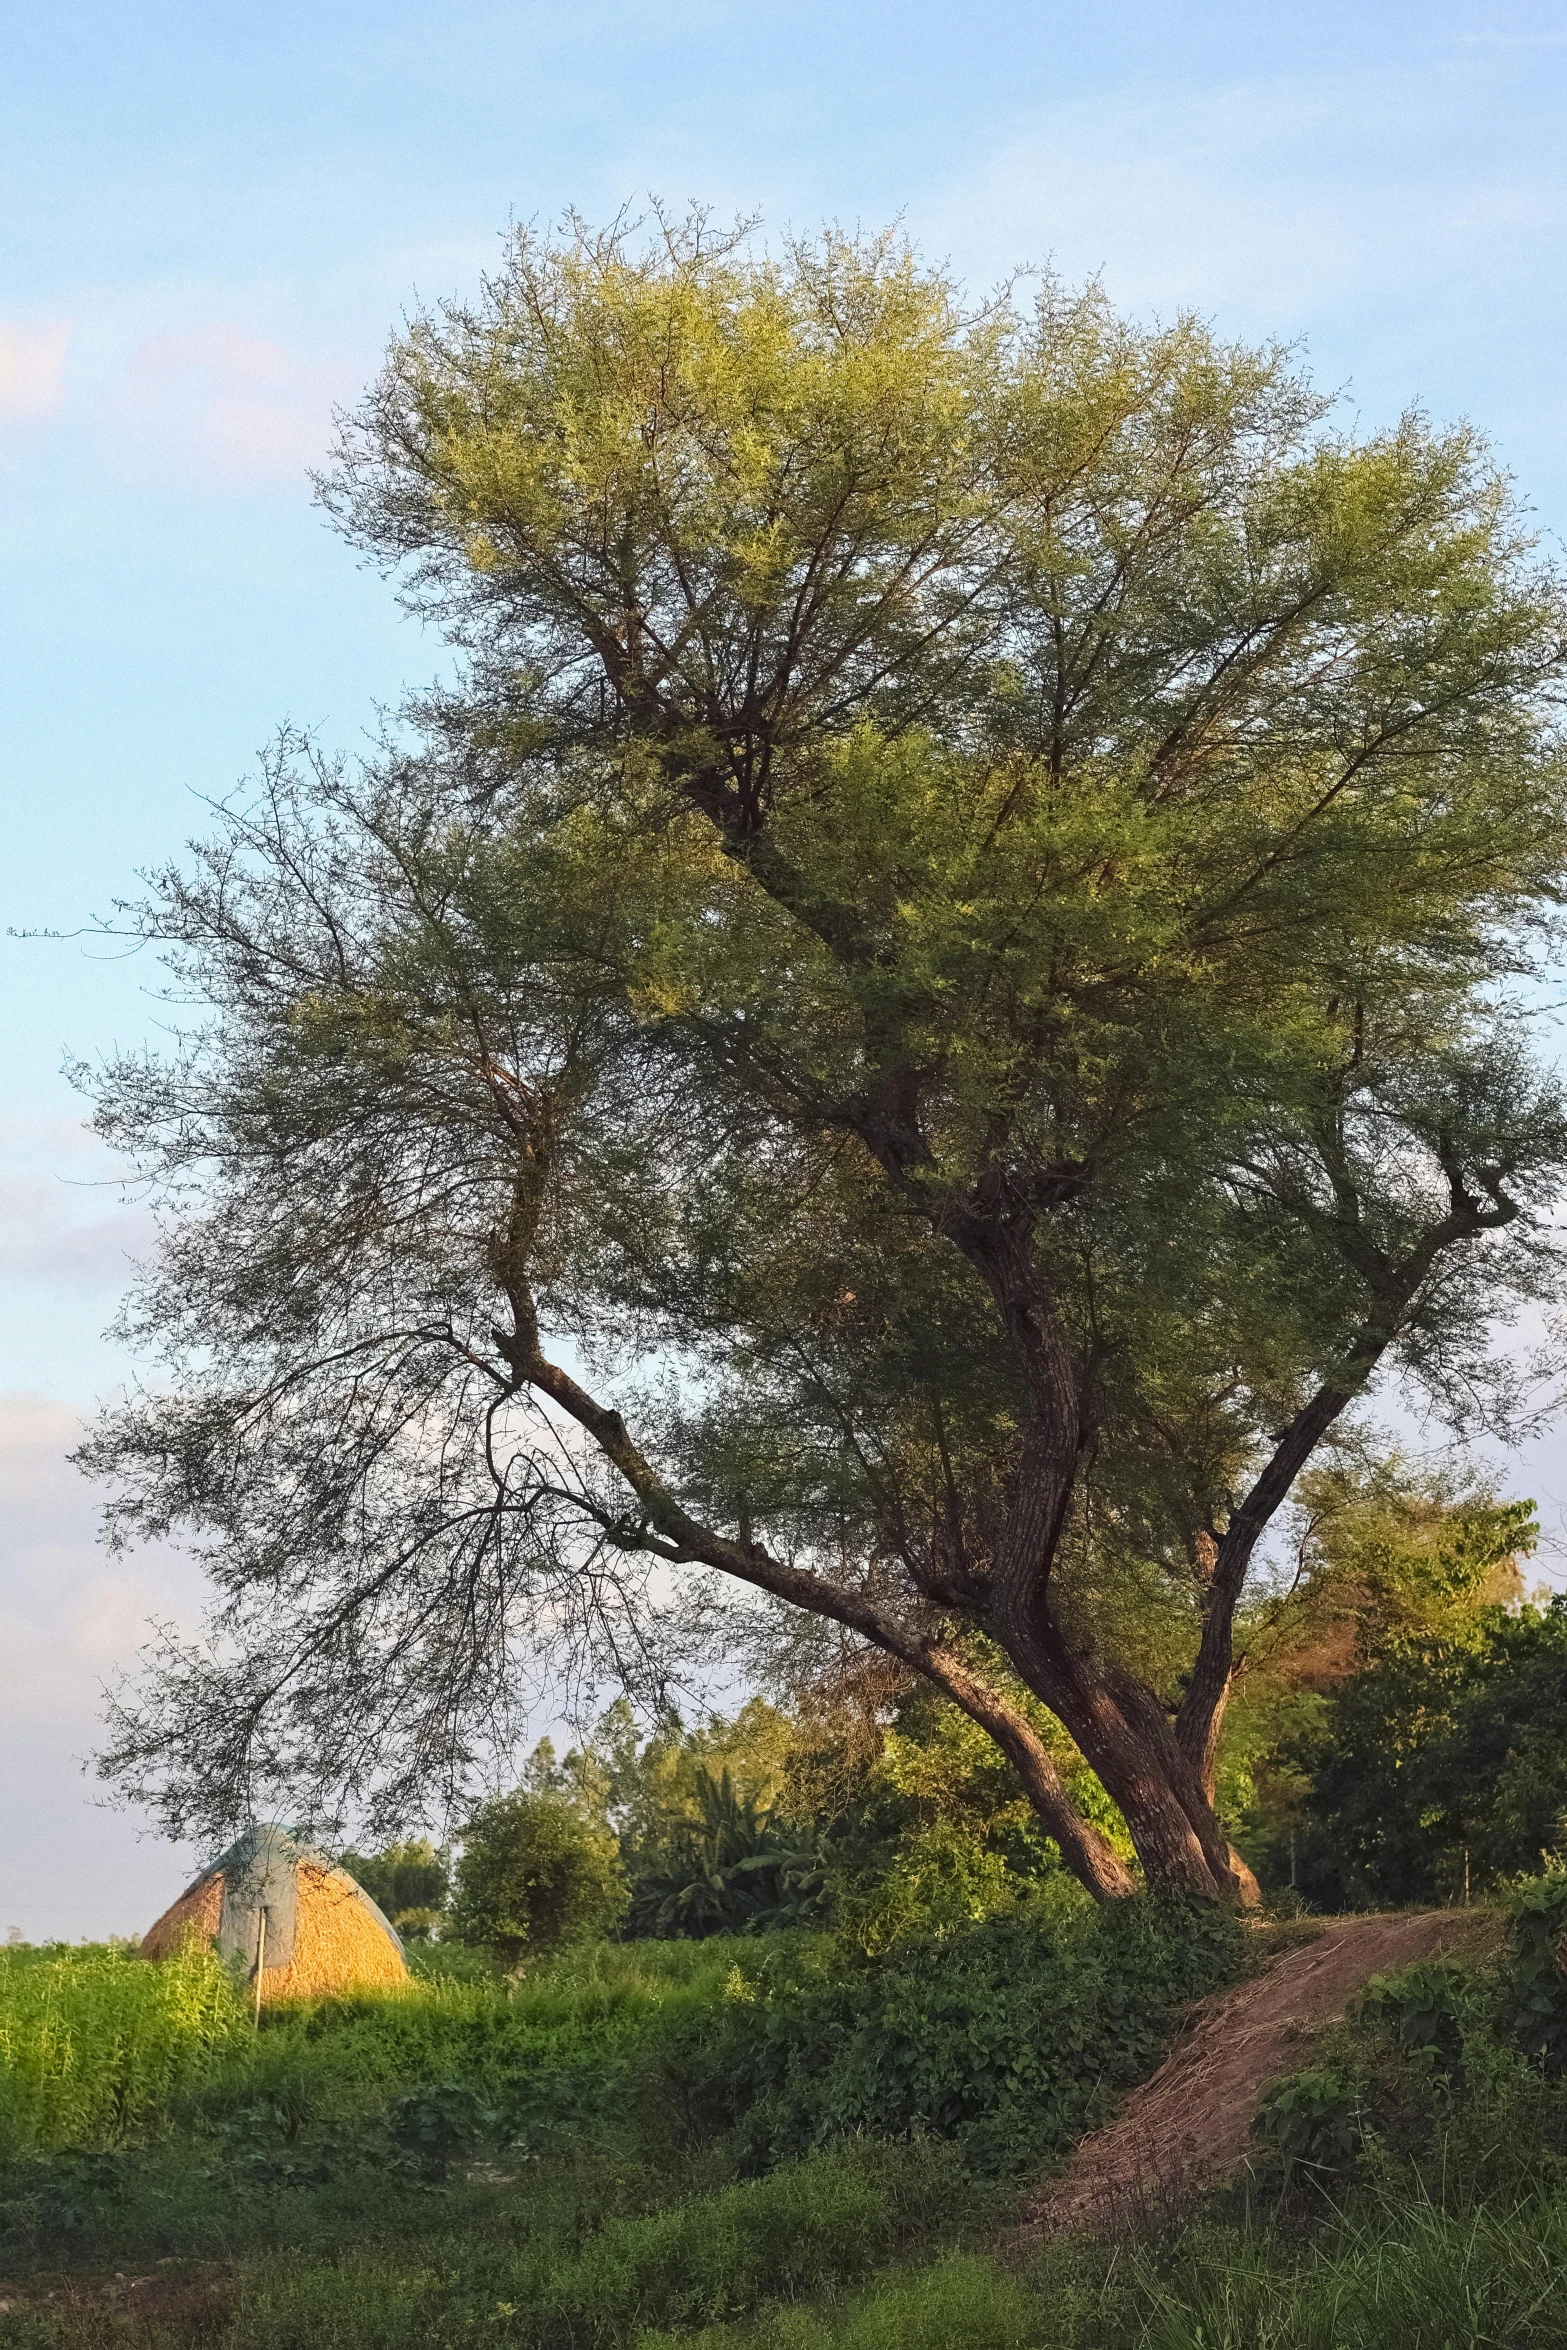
column 1189, row 2125
column 178, row 2297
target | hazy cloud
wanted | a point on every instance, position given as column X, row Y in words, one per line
column 1276, row 198
column 71, row 1618
column 64, row 1218
column 32, row 368
column 243, row 405
column 70, row 1615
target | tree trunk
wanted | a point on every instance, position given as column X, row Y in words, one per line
column 1129, row 1741
column 1087, row 1852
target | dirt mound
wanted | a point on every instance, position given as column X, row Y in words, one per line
column 1191, row 2123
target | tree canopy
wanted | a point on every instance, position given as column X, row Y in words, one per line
column 930, row 1014
column 536, row 1871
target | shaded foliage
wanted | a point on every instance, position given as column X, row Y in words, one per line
column 410, row 1881
column 730, row 1872
column 1447, row 1756
column 1009, row 2036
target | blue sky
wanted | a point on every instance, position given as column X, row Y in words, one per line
column 213, row 219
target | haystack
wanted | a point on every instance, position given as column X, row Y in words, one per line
column 271, row 1899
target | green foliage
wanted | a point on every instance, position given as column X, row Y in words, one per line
column 806, row 2228
column 730, row 1872
column 652, row 1788
column 102, row 2048
column 1389, row 1562
column 959, row 2299
column 329, row 2165
column 1449, row 1750
column 537, row 1871
column 1314, row 2118
column 1424, row 2006
column 936, row 1832
column 435, row 2123
column 95, row 2043
column 1401, row 2272
column 1008, row 2036
column 1536, row 1981
column 409, row 1881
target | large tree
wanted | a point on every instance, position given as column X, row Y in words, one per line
column 929, row 1015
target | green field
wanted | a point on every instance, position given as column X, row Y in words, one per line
column 756, row 2140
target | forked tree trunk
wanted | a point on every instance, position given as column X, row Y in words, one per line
column 1129, row 1741
column 1120, row 1727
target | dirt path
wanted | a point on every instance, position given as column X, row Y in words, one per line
column 1191, row 2123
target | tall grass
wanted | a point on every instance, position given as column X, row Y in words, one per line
column 1398, row 2273
column 95, row 2044
column 808, row 2227
column 99, row 2049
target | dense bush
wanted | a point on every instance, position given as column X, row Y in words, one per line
column 409, row 1881
column 1425, row 2009
column 552, row 2164
column 100, row 2049
column 1534, row 1997
column 1008, row 2037
column 1444, row 1762
column 537, row 1871
column 1314, row 2118
column 731, row 1870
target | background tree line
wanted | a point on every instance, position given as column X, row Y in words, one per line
column 1400, row 1736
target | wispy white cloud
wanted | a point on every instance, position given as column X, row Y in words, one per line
column 71, row 1615
column 64, row 1217
column 32, row 368
column 45, row 1237
column 244, row 407
column 1274, row 198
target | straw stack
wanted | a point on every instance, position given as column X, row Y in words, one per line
column 313, row 1929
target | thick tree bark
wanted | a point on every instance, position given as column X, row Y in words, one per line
column 1129, row 1740
column 1120, row 1726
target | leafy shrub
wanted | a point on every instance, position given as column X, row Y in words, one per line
column 1534, row 1997
column 1423, row 2007
column 729, row 1871
column 807, row 2226
column 1446, row 1755
column 537, row 1871
column 1313, row 2118
column 446, row 1962
column 409, row 1882
column 1009, row 2036
column 957, row 2300
column 939, row 1877
column 435, row 2124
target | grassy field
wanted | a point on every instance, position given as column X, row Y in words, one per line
column 757, row 2144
